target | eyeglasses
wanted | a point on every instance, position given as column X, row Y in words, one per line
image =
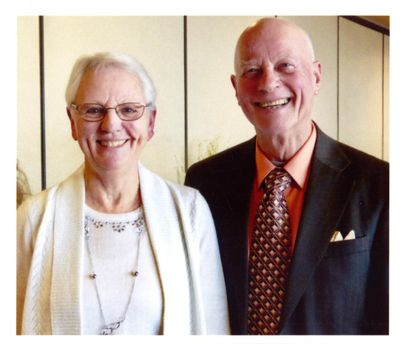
column 93, row 112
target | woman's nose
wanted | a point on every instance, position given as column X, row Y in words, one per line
column 111, row 122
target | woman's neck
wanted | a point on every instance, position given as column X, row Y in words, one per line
column 112, row 192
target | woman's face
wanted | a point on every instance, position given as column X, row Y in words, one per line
column 111, row 144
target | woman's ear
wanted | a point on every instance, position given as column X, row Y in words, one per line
column 73, row 127
column 152, row 122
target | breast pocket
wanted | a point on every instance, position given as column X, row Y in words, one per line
column 347, row 247
column 339, row 284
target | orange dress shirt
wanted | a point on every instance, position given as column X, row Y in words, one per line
column 299, row 169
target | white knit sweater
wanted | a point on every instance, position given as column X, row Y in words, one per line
column 181, row 232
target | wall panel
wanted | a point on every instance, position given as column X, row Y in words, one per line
column 28, row 100
column 360, row 87
column 214, row 117
column 157, row 42
column 386, row 98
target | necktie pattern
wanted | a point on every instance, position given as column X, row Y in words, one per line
column 270, row 256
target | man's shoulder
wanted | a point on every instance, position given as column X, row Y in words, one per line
column 359, row 162
column 233, row 156
column 231, row 164
column 364, row 162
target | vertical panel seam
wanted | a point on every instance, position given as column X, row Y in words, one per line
column 185, row 90
column 42, row 104
column 337, row 77
column 383, row 96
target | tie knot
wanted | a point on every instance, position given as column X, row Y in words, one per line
column 277, row 180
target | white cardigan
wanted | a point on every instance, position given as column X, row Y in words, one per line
column 181, row 230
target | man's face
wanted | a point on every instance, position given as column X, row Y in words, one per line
column 276, row 79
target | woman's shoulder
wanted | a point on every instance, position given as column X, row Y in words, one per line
column 186, row 192
column 153, row 184
column 40, row 201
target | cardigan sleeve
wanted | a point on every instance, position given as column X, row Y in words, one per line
column 212, row 284
column 30, row 217
column 24, row 256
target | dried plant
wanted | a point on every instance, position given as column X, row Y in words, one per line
column 210, row 149
column 23, row 189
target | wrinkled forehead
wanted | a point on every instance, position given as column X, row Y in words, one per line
column 274, row 41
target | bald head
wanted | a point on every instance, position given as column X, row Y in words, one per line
column 266, row 30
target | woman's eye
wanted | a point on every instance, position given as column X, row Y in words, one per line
column 94, row 110
column 128, row 110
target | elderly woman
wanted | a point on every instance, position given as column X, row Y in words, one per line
column 115, row 249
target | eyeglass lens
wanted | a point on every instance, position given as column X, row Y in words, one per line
column 128, row 111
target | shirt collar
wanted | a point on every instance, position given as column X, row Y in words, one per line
column 298, row 166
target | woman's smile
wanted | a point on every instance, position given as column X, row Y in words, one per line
column 112, row 143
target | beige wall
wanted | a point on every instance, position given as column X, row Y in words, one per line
column 360, row 87
column 213, row 113
column 386, row 92
column 351, row 105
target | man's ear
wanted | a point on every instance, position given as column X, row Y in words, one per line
column 152, row 122
column 317, row 74
column 233, row 81
column 73, row 127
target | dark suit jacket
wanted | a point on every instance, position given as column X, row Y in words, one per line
column 333, row 288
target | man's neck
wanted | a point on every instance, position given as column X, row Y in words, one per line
column 283, row 146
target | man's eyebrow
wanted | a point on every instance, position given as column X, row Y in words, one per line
column 248, row 62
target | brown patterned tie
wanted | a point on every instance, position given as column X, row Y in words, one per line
column 270, row 256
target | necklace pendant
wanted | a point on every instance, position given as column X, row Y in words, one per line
column 110, row 328
column 106, row 331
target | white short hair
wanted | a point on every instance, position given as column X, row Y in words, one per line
column 106, row 59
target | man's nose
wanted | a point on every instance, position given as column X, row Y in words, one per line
column 269, row 81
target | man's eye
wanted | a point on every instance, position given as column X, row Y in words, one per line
column 286, row 66
column 252, row 71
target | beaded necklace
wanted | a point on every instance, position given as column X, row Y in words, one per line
column 110, row 327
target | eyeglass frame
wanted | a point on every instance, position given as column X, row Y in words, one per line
column 76, row 107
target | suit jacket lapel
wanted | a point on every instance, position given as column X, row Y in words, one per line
column 326, row 197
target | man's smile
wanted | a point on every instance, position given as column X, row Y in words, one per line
column 112, row 143
column 273, row 104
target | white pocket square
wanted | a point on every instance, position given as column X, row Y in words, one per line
column 337, row 236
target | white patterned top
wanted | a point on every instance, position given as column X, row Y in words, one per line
column 113, row 242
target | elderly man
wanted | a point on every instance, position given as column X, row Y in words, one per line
column 302, row 219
